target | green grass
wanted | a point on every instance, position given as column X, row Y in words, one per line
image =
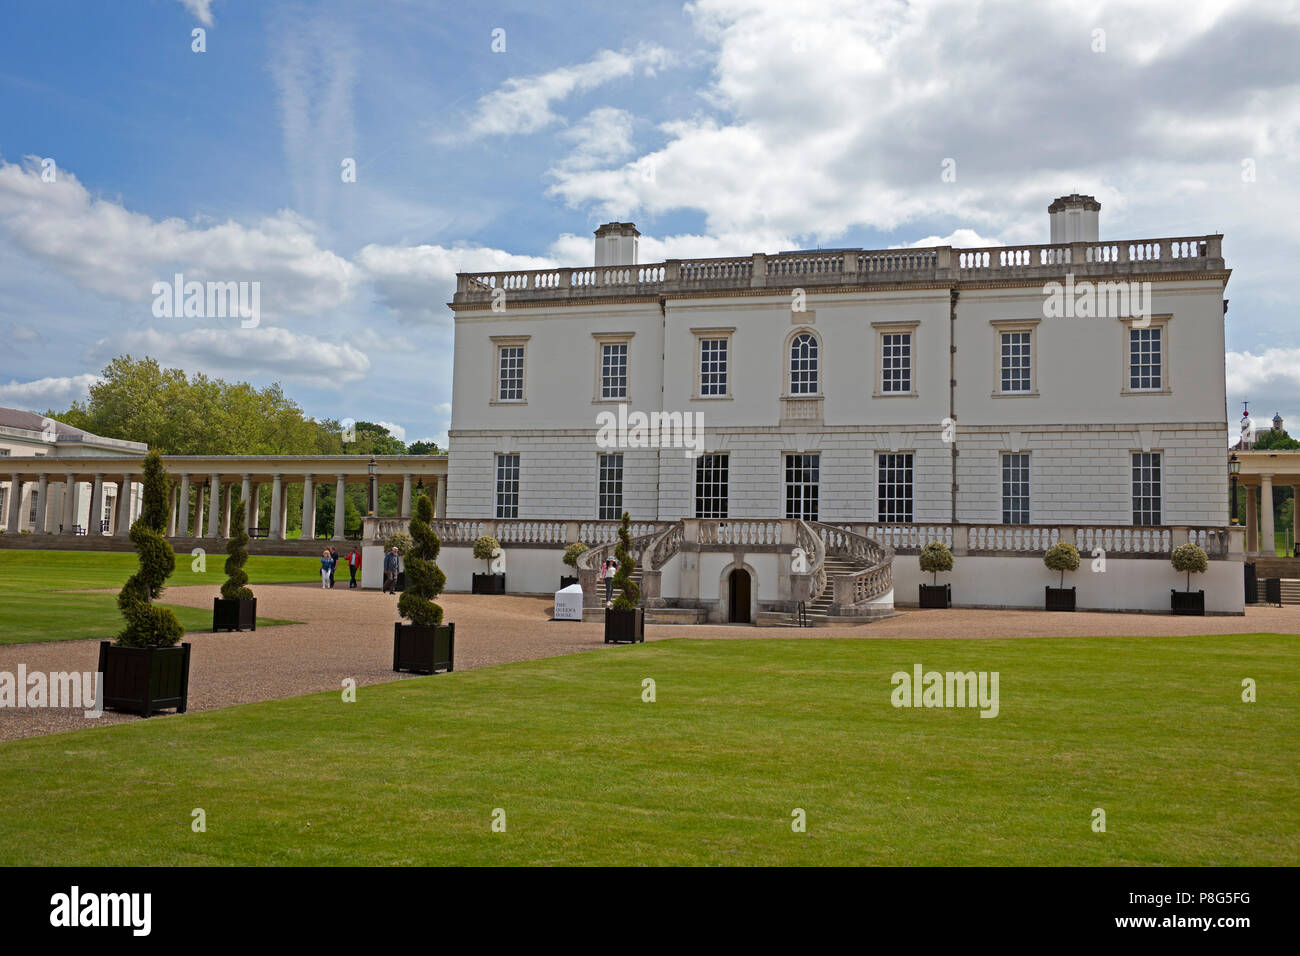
column 1152, row 730
column 29, row 612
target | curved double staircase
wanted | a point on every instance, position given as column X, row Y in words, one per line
column 846, row 577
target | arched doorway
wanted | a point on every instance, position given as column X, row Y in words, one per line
column 738, row 597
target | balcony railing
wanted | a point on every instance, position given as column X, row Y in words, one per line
column 852, row 267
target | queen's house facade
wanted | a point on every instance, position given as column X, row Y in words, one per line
column 858, row 403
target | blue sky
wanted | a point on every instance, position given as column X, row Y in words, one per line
column 720, row 127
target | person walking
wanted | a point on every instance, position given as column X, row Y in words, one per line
column 391, row 565
column 326, row 568
column 334, row 563
column 354, row 564
column 607, row 572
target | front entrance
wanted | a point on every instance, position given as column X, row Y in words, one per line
column 738, row 599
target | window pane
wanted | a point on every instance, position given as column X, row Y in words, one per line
column 803, row 365
column 711, row 486
column 896, row 362
column 1016, row 375
column 1145, row 359
column 511, row 376
column 613, row 370
column 507, row 486
column 894, row 488
column 1015, row 489
column 1146, row 488
column 713, row 366
column 609, row 488
column 802, row 481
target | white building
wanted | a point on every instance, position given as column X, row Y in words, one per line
column 40, row 506
column 1004, row 391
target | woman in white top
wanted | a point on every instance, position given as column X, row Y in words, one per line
column 607, row 572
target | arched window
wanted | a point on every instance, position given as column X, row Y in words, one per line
column 804, row 364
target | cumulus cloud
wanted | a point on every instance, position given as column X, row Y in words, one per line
column 42, row 393
column 202, row 10
column 107, row 249
column 265, row 351
column 523, row 104
column 602, row 136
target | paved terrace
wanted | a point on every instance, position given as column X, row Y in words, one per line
column 832, row 269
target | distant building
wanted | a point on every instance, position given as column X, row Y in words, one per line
column 25, row 434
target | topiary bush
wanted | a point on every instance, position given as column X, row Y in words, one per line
column 1062, row 557
column 935, row 557
column 485, row 546
column 236, row 586
column 424, row 579
column 629, row 595
column 573, row 552
column 399, row 540
column 148, row 625
column 1190, row 559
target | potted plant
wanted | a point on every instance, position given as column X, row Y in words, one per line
column 1062, row 557
column 145, row 670
column 236, row 609
column 426, row 645
column 1189, row 559
column 402, row 542
column 571, row 555
column 936, row 557
column 485, row 549
column 624, row 619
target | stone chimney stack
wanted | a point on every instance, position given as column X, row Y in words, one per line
column 616, row 244
column 1073, row 219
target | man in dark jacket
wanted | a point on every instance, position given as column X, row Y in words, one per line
column 334, row 558
column 392, row 563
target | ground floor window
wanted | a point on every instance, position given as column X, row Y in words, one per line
column 894, row 487
column 802, row 481
column 507, row 486
column 1146, row 488
column 1015, row 488
column 711, row 486
column 31, row 514
column 609, row 488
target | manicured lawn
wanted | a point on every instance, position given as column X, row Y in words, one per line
column 1152, row 730
column 30, row 612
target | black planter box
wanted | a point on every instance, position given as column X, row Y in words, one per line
column 566, row 582
column 1187, row 602
column 1252, row 583
column 1273, row 591
column 144, row 679
column 625, row 627
column 234, row 615
column 1060, row 599
column 488, row 584
column 936, row 595
column 423, row 648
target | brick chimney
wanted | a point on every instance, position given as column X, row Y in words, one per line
column 616, row 244
column 1073, row 219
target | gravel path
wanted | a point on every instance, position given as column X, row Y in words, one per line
column 349, row 634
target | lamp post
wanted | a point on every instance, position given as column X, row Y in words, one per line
column 373, row 468
column 1234, row 469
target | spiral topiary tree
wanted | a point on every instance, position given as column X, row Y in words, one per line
column 1190, row 559
column 629, row 595
column 1062, row 557
column 148, row 625
column 236, row 586
column 935, row 557
column 424, row 579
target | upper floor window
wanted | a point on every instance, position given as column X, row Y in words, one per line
column 1146, row 359
column 1016, row 361
column 713, row 366
column 802, row 485
column 894, row 487
column 804, row 364
column 613, row 370
column 507, row 486
column 895, row 368
column 609, row 488
column 711, row 486
column 508, row 383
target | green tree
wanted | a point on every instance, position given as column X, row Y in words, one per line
column 424, row 579
column 236, row 586
column 1276, row 440
column 423, row 448
column 629, row 595
column 147, row 624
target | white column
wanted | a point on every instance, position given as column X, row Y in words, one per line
column 42, row 490
column 183, row 508
column 277, row 497
column 340, row 512
column 1267, row 544
column 214, row 506
column 69, row 503
column 15, row 503
column 198, row 509
column 404, row 510
column 245, row 489
column 124, row 506
column 227, row 503
column 440, row 505
column 308, row 509
column 256, row 503
column 96, row 506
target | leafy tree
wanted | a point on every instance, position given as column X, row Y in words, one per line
column 373, row 439
column 236, row 586
column 484, row 547
column 573, row 552
column 935, row 557
column 424, row 579
column 629, row 594
column 147, row 624
column 1189, row 558
column 1275, row 440
column 1062, row 557
column 423, row 448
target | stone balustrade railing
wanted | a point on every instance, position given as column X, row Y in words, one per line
column 517, row 532
column 850, row 266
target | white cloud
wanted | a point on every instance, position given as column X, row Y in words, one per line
column 43, row 393
column 397, row 431
column 602, row 136
column 1273, row 369
column 107, row 249
column 523, row 104
column 202, row 10
column 23, row 333
column 235, row 352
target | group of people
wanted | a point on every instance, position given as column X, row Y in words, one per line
column 329, row 560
